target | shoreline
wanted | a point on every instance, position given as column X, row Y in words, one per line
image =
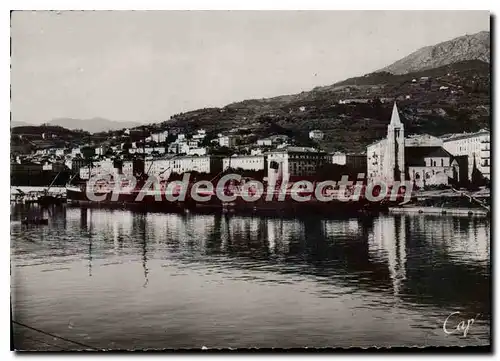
column 454, row 211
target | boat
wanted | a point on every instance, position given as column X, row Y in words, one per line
column 105, row 195
column 50, row 199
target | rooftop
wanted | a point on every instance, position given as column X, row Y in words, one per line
column 295, row 149
column 414, row 156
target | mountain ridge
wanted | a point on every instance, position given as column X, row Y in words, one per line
column 91, row 125
column 449, row 98
column 463, row 48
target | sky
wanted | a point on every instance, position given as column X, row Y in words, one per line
column 145, row 66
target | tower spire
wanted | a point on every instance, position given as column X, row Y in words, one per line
column 395, row 121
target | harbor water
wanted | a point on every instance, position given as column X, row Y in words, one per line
column 115, row 279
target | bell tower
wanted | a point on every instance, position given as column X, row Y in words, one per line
column 394, row 159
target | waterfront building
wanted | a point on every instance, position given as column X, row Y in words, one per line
column 147, row 150
column 430, row 165
column 203, row 164
column 420, row 158
column 476, row 146
column 158, row 167
column 246, row 162
column 294, row 162
column 352, row 160
column 385, row 158
column 161, row 167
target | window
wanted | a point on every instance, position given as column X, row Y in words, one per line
column 442, row 162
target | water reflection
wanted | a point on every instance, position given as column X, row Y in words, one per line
column 418, row 261
column 387, row 244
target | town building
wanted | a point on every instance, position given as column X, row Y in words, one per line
column 200, row 134
column 290, row 162
column 423, row 140
column 147, row 150
column 58, row 151
column 355, row 101
column 228, row 141
column 77, row 163
column 54, row 166
column 204, row 164
column 339, row 158
column 265, row 142
column 178, row 148
column 161, row 167
column 476, row 146
column 430, row 165
column 197, row 151
column 246, row 162
column 316, row 134
column 273, row 140
column 159, row 137
column 351, row 160
column 101, row 150
column 192, row 143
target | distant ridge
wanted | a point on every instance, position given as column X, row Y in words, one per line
column 93, row 125
column 14, row 124
column 447, row 93
column 463, row 48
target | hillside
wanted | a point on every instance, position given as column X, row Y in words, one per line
column 462, row 105
column 43, row 136
column 464, row 48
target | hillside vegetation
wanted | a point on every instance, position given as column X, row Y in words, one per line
column 454, row 98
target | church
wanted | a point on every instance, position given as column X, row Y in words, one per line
column 419, row 158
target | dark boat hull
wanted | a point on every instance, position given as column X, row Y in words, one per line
column 35, row 222
column 158, row 202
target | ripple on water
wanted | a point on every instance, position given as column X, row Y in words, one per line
column 166, row 280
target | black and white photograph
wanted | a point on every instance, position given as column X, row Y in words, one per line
column 216, row 180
